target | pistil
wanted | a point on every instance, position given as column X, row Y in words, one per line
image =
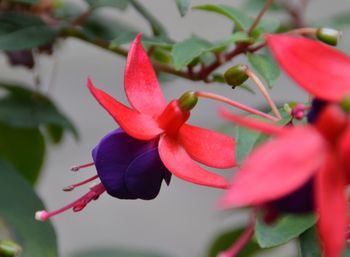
column 76, row 206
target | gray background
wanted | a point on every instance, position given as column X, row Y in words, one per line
column 183, row 218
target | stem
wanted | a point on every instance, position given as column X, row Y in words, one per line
column 264, row 92
column 302, row 31
column 241, row 242
column 296, row 13
column 201, row 75
column 81, row 19
column 234, row 104
column 260, row 15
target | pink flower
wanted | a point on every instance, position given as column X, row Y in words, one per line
column 297, row 154
column 153, row 140
column 151, row 118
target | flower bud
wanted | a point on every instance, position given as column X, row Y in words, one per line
column 9, row 249
column 188, row 100
column 328, row 36
column 236, row 75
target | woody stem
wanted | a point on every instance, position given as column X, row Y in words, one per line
column 260, row 15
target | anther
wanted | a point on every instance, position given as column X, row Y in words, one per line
column 78, row 167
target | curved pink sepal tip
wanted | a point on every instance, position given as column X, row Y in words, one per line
column 140, row 81
column 179, row 163
column 136, row 124
column 331, row 200
column 321, row 70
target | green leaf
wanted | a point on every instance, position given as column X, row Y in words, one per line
column 309, row 245
column 68, row 11
column 23, row 31
column 241, row 21
column 157, row 27
column 27, row 38
column 24, row 108
column 98, row 26
column 55, row 133
column 183, row 6
column 239, row 18
column 18, row 205
column 225, row 239
column 234, row 38
column 247, row 139
column 116, row 253
column 128, row 37
column 24, row 148
column 185, row 52
column 257, row 5
column 119, row 4
column 287, row 227
column 245, row 142
column 265, row 65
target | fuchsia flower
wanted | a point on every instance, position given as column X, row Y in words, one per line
column 153, row 141
column 317, row 152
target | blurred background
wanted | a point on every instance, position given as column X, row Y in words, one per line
column 184, row 218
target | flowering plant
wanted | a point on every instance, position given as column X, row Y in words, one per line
column 288, row 167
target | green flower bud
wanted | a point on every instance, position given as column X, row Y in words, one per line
column 345, row 104
column 188, row 100
column 9, row 249
column 328, row 36
column 236, row 75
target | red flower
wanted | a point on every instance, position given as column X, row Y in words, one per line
column 150, row 117
column 284, row 164
column 320, row 69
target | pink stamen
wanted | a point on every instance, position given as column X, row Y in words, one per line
column 235, row 104
column 78, row 167
column 264, row 127
column 77, row 205
column 71, row 187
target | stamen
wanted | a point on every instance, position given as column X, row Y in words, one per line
column 76, row 206
column 78, row 167
column 234, row 104
column 71, row 187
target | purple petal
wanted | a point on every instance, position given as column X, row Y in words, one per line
column 299, row 201
column 145, row 174
column 129, row 168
